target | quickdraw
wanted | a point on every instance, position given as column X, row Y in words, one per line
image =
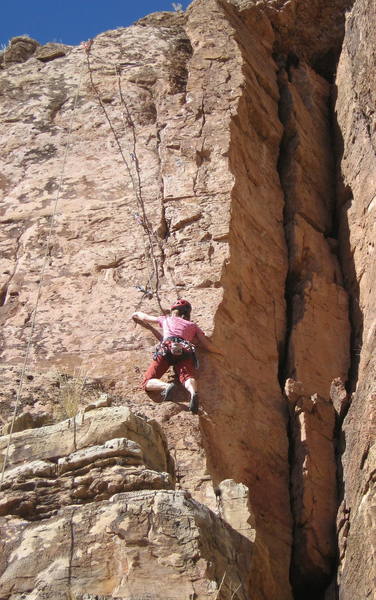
column 175, row 349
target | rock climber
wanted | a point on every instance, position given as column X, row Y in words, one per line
column 179, row 334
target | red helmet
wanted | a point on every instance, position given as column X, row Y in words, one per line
column 182, row 304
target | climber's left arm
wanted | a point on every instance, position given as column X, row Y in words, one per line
column 207, row 344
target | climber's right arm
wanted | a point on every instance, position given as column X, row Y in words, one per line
column 141, row 317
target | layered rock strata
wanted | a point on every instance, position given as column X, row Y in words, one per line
column 152, row 545
column 84, row 459
column 124, row 545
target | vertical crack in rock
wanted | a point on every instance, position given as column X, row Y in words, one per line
column 5, row 287
column 3, row 294
column 175, row 86
column 317, row 345
column 71, row 547
column 318, row 329
column 245, row 431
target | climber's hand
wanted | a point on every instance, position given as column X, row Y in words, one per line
column 142, row 318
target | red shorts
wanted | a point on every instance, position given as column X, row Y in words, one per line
column 184, row 369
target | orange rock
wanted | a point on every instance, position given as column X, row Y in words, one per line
column 227, row 198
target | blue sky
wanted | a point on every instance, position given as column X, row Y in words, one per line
column 72, row 21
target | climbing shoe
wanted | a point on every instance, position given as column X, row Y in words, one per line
column 166, row 393
column 193, row 404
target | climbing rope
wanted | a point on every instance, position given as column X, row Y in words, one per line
column 141, row 219
column 42, row 272
column 145, row 221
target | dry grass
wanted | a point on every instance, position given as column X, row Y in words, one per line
column 75, row 392
column 232, row 590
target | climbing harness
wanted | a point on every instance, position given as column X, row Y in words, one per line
column 175, row 349
column 42, row 273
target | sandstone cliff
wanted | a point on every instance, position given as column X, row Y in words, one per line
column 218, row 155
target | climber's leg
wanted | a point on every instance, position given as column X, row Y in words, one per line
column 152, row 378
column 154, row 385
column 187, row 372
column 191, row 385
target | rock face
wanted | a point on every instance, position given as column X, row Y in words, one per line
column 317, row 300
column 118, row 542
column 85, row 459
column 178, row 232
column 356, row 139
column 194, row 155
column 141, row 535
column 313, row 489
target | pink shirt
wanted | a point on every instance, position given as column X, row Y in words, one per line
column 176, row 326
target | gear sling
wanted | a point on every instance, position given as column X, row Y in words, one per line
column 175, row 349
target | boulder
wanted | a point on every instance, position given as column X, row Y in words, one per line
column 51, row 51
column 19, row 50
column 116, row 549
column 87, row 430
